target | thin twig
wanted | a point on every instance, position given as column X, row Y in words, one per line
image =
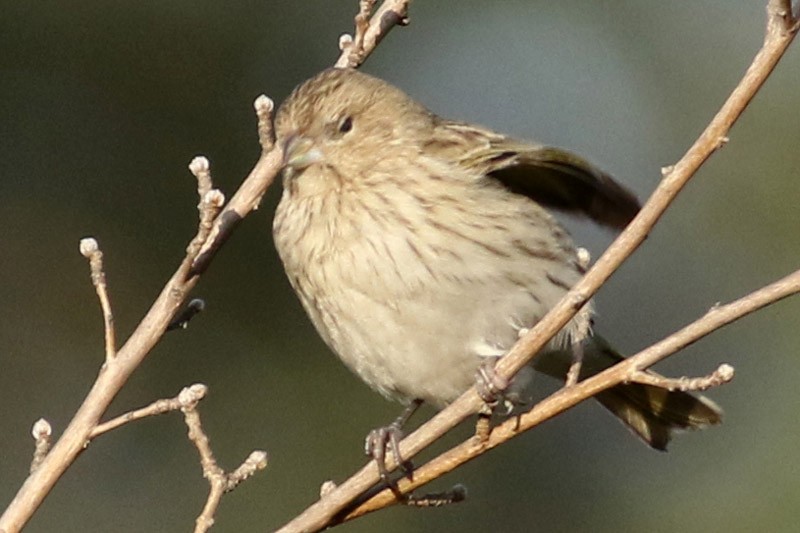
column 91, row 251
column 211, row 201
column 266, row 136
column 322, row 513
column 568, row 397
column 723, row 374
column 368, row 34
column 249, row 195
column 158, row 407
column 219, row 481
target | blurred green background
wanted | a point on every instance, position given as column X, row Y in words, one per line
column 102, row 106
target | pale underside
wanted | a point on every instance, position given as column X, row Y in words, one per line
column 414, row 316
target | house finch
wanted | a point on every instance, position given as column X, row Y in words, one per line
column 420, row 247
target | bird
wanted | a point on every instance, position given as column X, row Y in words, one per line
column 421, row 248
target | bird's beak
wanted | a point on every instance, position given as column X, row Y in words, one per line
column 299, row 152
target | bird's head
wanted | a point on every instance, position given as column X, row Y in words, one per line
column 342, row 123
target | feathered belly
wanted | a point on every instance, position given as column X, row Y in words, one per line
column 413, row 309
column 423, row 339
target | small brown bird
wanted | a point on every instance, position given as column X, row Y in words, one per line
column 421, row 247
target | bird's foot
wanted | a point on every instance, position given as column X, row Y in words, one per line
column 378, row 441
column 490, row 385
column 385, row 438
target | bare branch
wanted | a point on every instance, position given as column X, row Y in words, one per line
column 322, row 513
column 723, row 374
column 158, row 407
column 370, row 32
column 91, row 251
column 219, row 481
column 243, row 202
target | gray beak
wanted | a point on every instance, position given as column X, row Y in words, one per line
column 299, row 152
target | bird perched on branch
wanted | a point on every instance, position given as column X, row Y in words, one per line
column 421, row 247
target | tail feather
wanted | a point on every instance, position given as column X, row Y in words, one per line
column 652, row 413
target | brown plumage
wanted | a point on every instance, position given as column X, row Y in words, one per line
column 420, row 246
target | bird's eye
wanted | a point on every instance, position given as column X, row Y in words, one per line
column 346, row 124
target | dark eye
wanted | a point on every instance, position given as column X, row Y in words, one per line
column 346, row 125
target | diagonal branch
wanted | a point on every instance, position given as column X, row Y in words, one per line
column 118, row 368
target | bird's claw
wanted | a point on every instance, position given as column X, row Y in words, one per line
column 378, row 441
column 490, row 385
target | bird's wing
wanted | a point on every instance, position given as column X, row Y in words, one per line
column 550, row 176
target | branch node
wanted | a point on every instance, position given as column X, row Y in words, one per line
column 201, row 169
column 345, row 41
column 579, row 299
column 88, row 247
column 326, row 488
column 725, row 373
column 257, row 460
column 781, row 20
column 41, row 432
column 213, row 200
column 190, row 396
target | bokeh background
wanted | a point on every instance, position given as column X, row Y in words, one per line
column 102, row 106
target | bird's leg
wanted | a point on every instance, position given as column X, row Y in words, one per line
column 389, row 437
column 575, row 366
column 583, row 325
column 489, row 384
column 583, row 330
column 492, row 388
column 378, row 440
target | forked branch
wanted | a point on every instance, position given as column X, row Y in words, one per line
column 217, row 221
